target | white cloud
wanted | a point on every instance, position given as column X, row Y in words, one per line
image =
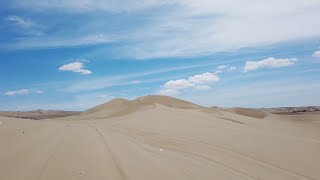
column 169, row 92
column 84, row 71
column 232, row 68
column 22, row 92
column 17, row 92
column 38, row 92
column 268, row 63
column 197, row 82
column 222, row 67
column 178, row 84
column 75, row 67
column 316, row 54
column 203, row 78
column 202, row 88
column 72, row 66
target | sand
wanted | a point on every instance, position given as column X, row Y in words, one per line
column 160, row 138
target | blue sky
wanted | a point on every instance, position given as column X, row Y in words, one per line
column 75, row 54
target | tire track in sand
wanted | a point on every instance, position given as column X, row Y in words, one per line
column 261, row 162
column 196, row 156
column 116, row 162
column 51, row 154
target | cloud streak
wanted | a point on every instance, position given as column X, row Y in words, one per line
column 204, row 27
column 268, row 63
column 22, row 92
column 25, row 25
column 84, row 6
column 21, row 22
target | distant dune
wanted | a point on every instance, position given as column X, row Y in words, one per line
column 159, row 137
column 293, row 110
column 249, row 112
column 38, row 114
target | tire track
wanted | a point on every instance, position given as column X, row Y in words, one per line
column 261, row 162
column 267, row 164
column 116, row 162
column 188, row 154
column 51, row 154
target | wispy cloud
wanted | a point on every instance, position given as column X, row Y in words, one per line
column 268, row 63
column 77, row 67
column 316, row 54
column 188, row 28
column 27, row 26
column 222, row 67
column 127, row 79
column 204, row 27
column 80, row 6
column 60, row 42
column 24, row 23
column 22, row 92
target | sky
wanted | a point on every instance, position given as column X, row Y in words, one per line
column 76, row 54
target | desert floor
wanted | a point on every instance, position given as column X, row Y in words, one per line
column 155, row 138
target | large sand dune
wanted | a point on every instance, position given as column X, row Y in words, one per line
column 157, row 138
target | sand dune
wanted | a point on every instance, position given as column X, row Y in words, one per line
column 38, row 114
column 120, row 107
column 158, row 137
column 249, row 112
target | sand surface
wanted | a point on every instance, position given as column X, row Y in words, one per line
column 152, row 139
